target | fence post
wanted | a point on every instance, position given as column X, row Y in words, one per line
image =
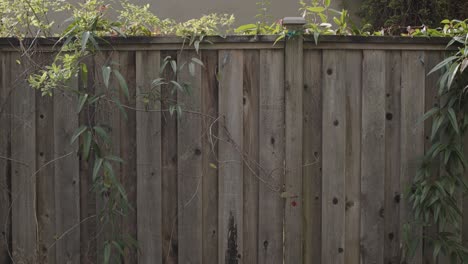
column 293, row 85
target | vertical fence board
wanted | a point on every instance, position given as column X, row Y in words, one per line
column 312, row 155
column 294, row 86
column 392, row 158
column 108, row 116
column 210, row 172
column 86, row 82
column 431, row 99
column 67, row 203
column 251, row 171
column 45, row 177
column 333, row 161
column 353, row 73
column 5, row 163
column 272, row 147
column 169, row 168
column 128, row 149
column 373, row 157
column 230, row 156
column 189, row 168
column 412, row 132
column 148, row 143
column 23, row 151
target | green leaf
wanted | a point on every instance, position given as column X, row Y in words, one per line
column 119, row 248
column 82, row 101
column 452, row 73
column 84, row 40
column 453, row 120
column 196, row 44
column 174, row 66
column 177, row 85
column 78, row 132
column 84, row 74
column 106, row 70
column 191, row 67
column 442, row 64
column 315, row 9
column 327, row 3
column 246, row 27
column 86, row 144
column 114, row 158
column 197, row 61
column 102, row 134
column 97, row 167
column 107, row 252
column 123, row 83
column 429, row 113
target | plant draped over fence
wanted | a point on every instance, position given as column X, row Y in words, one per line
column 441, row 179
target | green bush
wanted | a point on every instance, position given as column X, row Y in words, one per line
column 396, row 15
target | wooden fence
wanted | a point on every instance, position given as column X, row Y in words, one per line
column 287, row 153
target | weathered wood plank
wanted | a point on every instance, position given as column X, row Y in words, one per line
column 412, row 132
column 392, row 158
column 334, row 157
column 108, row 116
column 293, row 85
column 148, row 143
column 431, row 99
column 210, row 157
column 45, row 185
column 5, row 151
column 126, row 66
column 251, row 171
column 353, row 84
column 169, row 169
column 373, row 157
column 230, row 149
column 23, row 149
column 189, row 166
column 67, row 199
column 87, row 195
column 272, row 155
column 312, row 154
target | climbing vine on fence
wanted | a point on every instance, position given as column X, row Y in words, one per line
column 441, row 180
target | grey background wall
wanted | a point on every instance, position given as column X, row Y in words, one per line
column 244, row 10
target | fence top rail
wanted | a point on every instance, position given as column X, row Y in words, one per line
column 244, row 42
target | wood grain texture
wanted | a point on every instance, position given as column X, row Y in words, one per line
column 88, row 226
column 45, row 181
column 412, row 131
column 148, row 144
column 353, row 146
column 210, row 156
column 5, row 152
column 251, row 92
column 432, row 58
column 189, row 166
column 272, row 155
column 373, row 157
column 23, row 149
column 109, row 117
column 312, row 154
column 169, row 169
column 230, row 213
column 293, row 85
column 66, row 173
column 393, row 189
column 126, row 66
column 334, row 157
